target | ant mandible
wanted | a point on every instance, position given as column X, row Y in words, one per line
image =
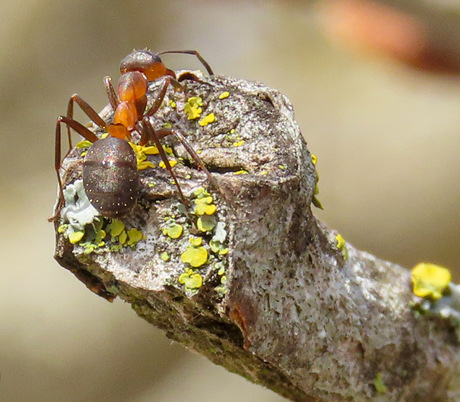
column 110, row 175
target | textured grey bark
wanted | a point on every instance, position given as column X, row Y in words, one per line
column 293, row 315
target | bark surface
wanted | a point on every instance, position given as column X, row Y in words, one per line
column 285, row 306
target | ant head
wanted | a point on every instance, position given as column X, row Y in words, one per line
column 146, row 62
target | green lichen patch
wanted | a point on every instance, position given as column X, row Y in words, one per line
column 173, row 230
column 134, row 237
column 222, row 289
column 204, row 203
column 206, row 223
column 380, row 387
column 196, row 241
column 218, row 248
column 342, row 246
column 123, row 237
column 83, row 226
column 315, row 201
column 116, row 227
column 191, row 280
column 220, row 267
column 430, row 280
column 165, row 256
column 195, row 256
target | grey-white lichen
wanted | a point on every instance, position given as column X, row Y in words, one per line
column 77, row 211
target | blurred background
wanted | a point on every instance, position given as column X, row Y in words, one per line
column 376, row 93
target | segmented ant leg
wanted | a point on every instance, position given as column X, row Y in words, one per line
column 85, row 133
column 194, row 53
column 87, row 109
column 167, row 81
column 164, row 132
column 150, row 135
column 111, row 94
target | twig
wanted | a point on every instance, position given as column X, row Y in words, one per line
column 288, row 305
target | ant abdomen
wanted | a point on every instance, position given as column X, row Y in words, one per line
column 110, row 177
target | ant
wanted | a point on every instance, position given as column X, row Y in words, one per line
column 110, row 176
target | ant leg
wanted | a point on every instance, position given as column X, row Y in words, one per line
column 194, row 53
column 87, row 109
column 111, row 94
column 162, row 93
column 164, row 132
column 85, row 133
column 151, row 136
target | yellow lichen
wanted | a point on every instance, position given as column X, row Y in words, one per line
column 210, row 118
column 172, row 162
column 204, row 208
column 341, row 245
column 116, row 228
column 84, row 144
column 134, row 236
column 206, row 223
column 195, row 256
column 238, row 143
column 221, row 268
column 340, row 241
column 123, row 236
column 380, row 387
column 430, row 280
column 241, row 172
column 144, row 165
column 141, row 153
column 191, row 279
column 314, row 159
column 218, row 247
column 172, row 103
column 196, row 241
column 168, row 150
column 100, row 236
column 192, row 108
column 164, row 256
column 224, row 95
column 75, row 237
column 174, row 231
column 201, row 192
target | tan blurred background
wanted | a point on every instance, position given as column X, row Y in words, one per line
column 387, row 140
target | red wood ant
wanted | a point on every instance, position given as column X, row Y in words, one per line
column 110, row 176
